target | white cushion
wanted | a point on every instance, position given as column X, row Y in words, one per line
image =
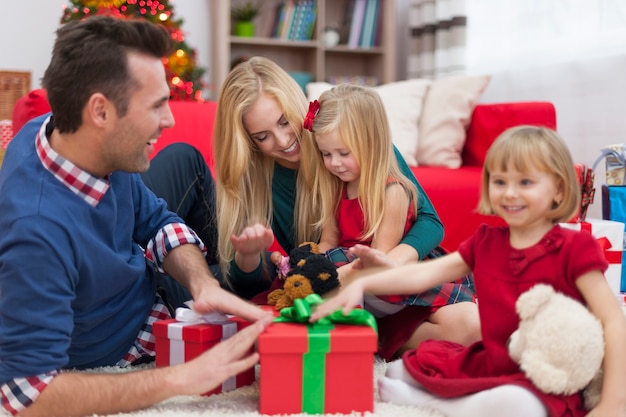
column 447, row 113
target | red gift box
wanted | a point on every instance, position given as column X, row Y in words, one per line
column 179, row 342
column 316, row 368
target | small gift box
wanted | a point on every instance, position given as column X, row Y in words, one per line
column 610, row 236
column 614, row 208
column 615, row 157
column 317, row 368
column 189, row 335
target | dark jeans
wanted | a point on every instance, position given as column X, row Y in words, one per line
column 179, row 175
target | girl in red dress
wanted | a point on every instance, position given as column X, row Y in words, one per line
column 530, row 182
column 365, row 197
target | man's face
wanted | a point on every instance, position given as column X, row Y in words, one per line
column 131, row 138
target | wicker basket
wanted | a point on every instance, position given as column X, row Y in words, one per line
column 13, row 85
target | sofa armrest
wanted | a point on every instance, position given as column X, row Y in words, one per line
column 489, row 120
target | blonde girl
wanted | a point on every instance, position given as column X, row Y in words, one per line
column 530, row 182
column 365, row 197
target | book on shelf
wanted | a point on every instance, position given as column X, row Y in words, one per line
column 369, row 24
column 364, row 23
column 357, row 23
column 295, row 20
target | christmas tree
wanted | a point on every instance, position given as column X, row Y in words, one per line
column 182, row 72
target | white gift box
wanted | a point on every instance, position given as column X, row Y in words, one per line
column 610, row 236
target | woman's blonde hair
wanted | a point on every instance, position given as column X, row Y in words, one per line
column 244, row 173
column 525, row 148
column 357, row 115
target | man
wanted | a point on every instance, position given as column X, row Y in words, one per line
column 83, row 238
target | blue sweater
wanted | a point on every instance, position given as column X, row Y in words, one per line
column 75, row 287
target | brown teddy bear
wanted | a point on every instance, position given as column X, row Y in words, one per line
column 308, row 271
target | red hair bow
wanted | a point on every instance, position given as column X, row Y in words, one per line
column 314, row 108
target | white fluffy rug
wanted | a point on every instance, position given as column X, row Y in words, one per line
column 243, row 402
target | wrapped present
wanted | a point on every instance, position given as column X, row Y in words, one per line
column 614, row 208
column 189, row 335
column 587, row 191
column 610, row 236
column 615, row 157
column 317, row 368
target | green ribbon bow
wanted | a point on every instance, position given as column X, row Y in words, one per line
column 314, row 361
column 302, row 308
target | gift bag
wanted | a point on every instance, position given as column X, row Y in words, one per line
column 615, row 157
column 587, row 191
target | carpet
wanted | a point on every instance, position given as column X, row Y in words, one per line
column 243, row 402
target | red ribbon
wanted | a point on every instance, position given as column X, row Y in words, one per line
column 613, row 257
column 314, row 108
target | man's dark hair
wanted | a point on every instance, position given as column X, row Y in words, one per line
column 90, row 56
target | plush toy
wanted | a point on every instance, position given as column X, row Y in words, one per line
column 306, row 271
column 559, row 344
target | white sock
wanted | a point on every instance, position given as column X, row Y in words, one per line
column 505, row 400
column 397, row 370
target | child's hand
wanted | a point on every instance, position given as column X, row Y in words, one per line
column 369, row 257
column 281, row 262
column 347, row 299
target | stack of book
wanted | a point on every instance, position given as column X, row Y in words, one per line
column 295, row 20
column 365, row 21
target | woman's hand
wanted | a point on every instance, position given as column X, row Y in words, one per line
column 249, row 245
column 253, row 239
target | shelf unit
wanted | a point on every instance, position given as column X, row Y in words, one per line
column 303, row 56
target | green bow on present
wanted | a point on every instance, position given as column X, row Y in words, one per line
column 302, row 308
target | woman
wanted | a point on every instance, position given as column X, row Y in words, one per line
column 268, row 186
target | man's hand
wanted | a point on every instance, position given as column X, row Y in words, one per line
column 224, row 360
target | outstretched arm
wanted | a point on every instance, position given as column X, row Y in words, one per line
column 105, row 394
column 601, row 302
column 405, row 279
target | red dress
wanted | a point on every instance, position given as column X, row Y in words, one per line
column 351, row 220
column 501, row 275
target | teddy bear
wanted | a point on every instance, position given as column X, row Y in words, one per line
column 306, row 271
column 559, row 344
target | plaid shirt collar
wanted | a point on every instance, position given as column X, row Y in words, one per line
column 89, row 188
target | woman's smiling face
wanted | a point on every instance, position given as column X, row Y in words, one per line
column 269, row 129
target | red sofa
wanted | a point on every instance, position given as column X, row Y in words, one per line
column 453, row 192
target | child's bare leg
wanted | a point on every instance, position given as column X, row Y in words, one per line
column 455, row 322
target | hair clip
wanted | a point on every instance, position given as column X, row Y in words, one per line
column 314, row 108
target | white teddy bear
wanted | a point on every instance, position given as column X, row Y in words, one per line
column 559, row 344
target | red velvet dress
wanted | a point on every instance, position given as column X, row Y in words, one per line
column 501, row 274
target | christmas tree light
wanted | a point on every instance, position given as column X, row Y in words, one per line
column 183, row 75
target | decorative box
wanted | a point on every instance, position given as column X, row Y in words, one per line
column 614, row 208
column 178, row 342
column 324, row 367
column 610, row 236
column 615, row 156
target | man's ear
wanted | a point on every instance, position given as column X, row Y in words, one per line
column 98, row 109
